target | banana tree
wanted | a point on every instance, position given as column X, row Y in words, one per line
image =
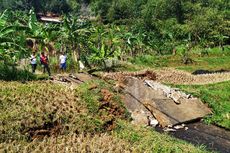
column 221, row 39
column 73, row 34
column 11, row 40
column 130, row 42
column 104, row 44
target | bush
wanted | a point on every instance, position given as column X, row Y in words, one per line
column 146, row 60
column 11, row 73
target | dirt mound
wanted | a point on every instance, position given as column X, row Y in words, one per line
column 146, row 74
column 112, row 108
column 169, row 75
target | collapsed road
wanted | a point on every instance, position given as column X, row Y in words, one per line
column 150, row 101
column 168, row 106
column 166, row 109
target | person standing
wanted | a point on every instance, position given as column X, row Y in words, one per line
column 33, row 62
column 63, row 59
column 45, row 63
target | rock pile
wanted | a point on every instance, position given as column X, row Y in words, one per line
column 175, row 94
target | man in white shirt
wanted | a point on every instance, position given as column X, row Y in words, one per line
column 62, row 59
column 33, row 62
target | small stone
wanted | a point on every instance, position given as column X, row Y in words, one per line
column 175, row 97
column 169, row 130
column 152, row 121
column 81, row 65
column 178, row 127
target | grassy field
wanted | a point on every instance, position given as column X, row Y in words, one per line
column 217, row 96
column 42, row 116
column 215, row 60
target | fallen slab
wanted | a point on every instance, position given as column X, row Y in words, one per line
column 161, row 106
column 139, row 112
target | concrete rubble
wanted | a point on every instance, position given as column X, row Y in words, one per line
column 72, row 80
column 173, row 93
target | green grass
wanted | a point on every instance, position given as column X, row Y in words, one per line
column 217, row 96
column 215, row 60
column 26, row 109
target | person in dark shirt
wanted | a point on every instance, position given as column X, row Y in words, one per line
column 45, row 63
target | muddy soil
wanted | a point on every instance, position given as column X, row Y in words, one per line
column 213, row 137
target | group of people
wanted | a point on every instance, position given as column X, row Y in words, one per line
column 45, row 62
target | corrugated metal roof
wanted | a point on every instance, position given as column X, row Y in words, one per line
column 51, row 19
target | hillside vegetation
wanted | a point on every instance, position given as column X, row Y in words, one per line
column 119, row 30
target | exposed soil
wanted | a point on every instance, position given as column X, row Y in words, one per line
column 119, row 76
column 213, row 137
column 181, row 77
column 173, row 76
column 110, row 105
column 48, row 129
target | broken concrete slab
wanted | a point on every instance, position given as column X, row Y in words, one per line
column 163, row 108
column 188, row 110
column 161, row 117
column 139, row 113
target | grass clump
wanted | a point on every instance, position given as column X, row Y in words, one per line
column 148, row 60
column 11, row 73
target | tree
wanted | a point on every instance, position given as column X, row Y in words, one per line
column 12, row 44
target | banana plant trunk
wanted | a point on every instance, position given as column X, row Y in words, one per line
column 75, row 57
